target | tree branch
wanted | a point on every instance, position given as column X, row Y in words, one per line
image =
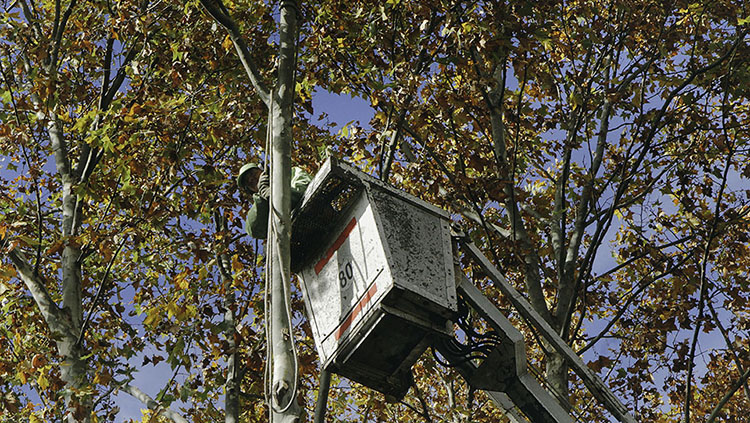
column 153, row 405
column 730, row 346
column 386, row 156
column 704, row 287
column 528, row 255
column 739, row 382
column 99, row 291
column 625, row 306
column 31, row 18
column 425, row 409
column 232, row 382
column 569, row 291
column 57, row 36
column 119, row 78
column 52, row 314
column 220, row 14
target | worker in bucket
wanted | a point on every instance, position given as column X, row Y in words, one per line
column 255, row 181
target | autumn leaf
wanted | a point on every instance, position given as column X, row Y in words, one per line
column 42, row 381
column 227, row 43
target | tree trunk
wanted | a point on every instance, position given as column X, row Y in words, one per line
column 72, row 369
column 232, row 382
column 556, row 372
column 284, row 406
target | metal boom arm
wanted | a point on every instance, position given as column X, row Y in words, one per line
column 589, row 378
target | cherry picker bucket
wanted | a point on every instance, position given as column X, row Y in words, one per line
column 376, row 268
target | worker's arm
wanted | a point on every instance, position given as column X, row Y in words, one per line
column 300, row 181
column 256, row 222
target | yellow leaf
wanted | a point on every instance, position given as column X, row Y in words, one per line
column 7, row 272
column 22, row 377
column 42, row 381
column 236, row 265
column 153, row 317
column 227, row 43
column 181, row 281
column 135, row 110
column 34, row 419
column 102, row 378
column 172, row 310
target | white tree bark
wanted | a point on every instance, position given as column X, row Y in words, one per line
column 153, row 405
column 284, row 383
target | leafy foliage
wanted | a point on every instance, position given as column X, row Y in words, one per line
column 597, row 151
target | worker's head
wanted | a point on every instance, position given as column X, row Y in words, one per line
column 247, row 179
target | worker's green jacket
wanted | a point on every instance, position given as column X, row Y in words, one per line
column 256, row 222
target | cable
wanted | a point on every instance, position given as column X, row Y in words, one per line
column 269, row 320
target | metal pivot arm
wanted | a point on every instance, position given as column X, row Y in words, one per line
column 505, row 368
column 589, row 378
column 467, row 368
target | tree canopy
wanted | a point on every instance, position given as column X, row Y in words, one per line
column 596, row 151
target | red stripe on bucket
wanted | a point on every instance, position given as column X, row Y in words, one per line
column 353, row 315
column 336, row 245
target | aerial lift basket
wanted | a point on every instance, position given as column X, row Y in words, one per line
column 377, row 276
